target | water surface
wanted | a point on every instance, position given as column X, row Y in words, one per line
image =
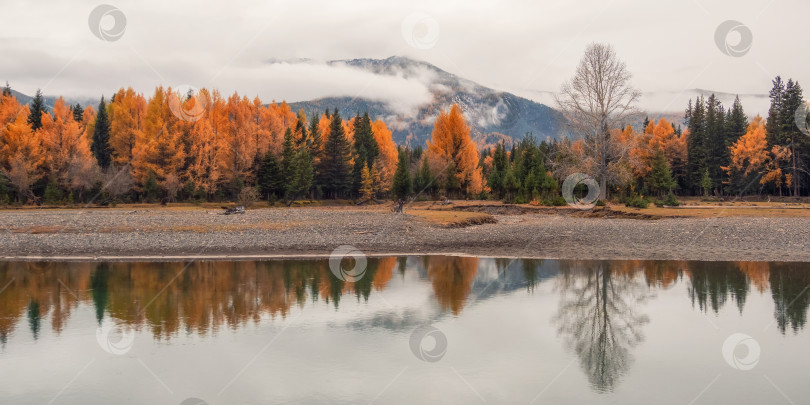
column 410, row 330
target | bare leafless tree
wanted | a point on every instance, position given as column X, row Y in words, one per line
column 172, row 185
column 248, row 196
column 117, row 181
column 22, row 178
column 81, row 174
column 599, row 98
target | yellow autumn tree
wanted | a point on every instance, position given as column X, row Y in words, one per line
column 261, row 134
column 639, row 153
column 750, row 158
column 750, row 152
column 158, row 148
column 237, row 148
column 778, row 158
column 204, row 168
column 366, row 185
column 275, row 119
column 674, row 147
column 127, row 111
column 21, row 153
column 67, row 150
column 451, row 150
column 386, row 164
column 477, row 183
column 88, row 123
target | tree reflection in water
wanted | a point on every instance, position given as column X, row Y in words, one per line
column 452, row 279
column 598, row 299
column 790, row 289
column 598, row 317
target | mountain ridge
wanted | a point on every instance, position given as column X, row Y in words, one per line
column 490, row 113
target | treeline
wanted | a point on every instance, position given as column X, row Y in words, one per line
column 188, row 147
column 719, row 154
column 204, row 147
column 730, row 156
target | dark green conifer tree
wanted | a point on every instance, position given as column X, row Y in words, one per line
column 37, row 108
column 423, row 181
column 269, row 177
column 335, row 170
column 287, row 158
column 660, row 181
column 366, row 149
column 402, row 177
column 78, row 112
column 101, row 137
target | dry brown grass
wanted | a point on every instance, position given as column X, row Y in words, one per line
column 727, row 210
column 451, row 219
column 692, row 208
column 459, row 213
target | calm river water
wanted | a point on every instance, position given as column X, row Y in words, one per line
column 408, row 330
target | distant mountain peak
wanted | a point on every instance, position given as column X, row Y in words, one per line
column 492, row 114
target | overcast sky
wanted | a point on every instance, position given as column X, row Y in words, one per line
column 527, row 47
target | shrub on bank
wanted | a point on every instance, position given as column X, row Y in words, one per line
column 636, row 201
column 556, row 201
column 671, row 200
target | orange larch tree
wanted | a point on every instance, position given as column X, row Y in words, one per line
column 203, row 169
column 451, row 148
column 126, row 111
column 237, row 148
column 673, row 146
column 158, row 149
column 88, row 123
column 67, row 150
column 21, row 152
column 748, row 156
column 276, row 118
column 387, row 161
column 749, row 153
column 639, row 153
column 261, row 134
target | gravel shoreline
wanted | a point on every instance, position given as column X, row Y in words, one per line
column 183, row 234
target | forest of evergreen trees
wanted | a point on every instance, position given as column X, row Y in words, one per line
column 204, row 147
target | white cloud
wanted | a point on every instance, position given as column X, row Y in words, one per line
column 308, row 80
column 668, row 45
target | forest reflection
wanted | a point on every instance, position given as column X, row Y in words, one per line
column 600, row 310
column 599, row 315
